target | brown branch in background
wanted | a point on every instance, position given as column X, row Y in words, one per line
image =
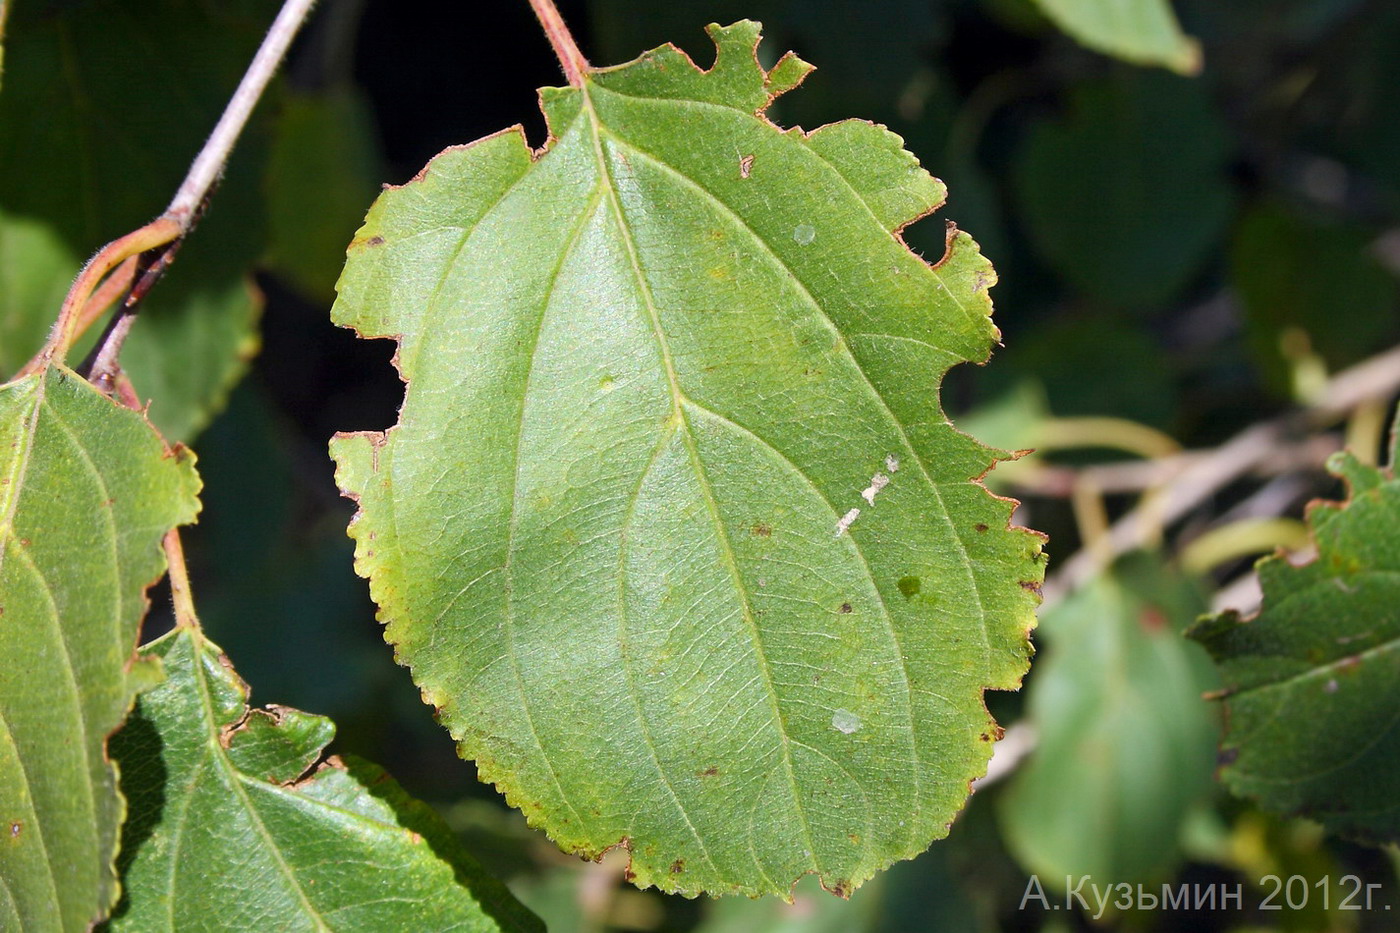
column 1135, row 476
column 562, row 41
column 1376, row 379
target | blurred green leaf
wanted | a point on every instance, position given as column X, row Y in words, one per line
column 105, row 105
column 1125, row 742
column 36, row 268
column 1126, row 197
column 324, row 167
column 87, row 490
column 1312, row 683
column 615, row 496
column 233, row 822
column 1295, row 275
column 812, row 911
column 1144, row 32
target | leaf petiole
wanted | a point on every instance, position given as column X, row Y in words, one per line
column 567, row 50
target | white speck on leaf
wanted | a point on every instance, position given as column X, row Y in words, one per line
column 877, row 482
column 846, row 521
column 804, row 234
column 1331, row 686
column 892, row 463
column 845, row 721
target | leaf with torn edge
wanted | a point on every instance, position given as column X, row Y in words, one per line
column 1312, row 683
column 87, row 490
column 237, row 823
column 672, row 529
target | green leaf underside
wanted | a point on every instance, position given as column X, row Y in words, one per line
column 1125, row 744
column 1141, row 31
column 651, row 374
column 234, row 827
column 87, row 490
column 1312, row 683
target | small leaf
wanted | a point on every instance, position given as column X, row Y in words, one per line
column 234, row 822
column 1128, row 196
column 1312, row 683
column 87, row 489
column 669, row 459
column 1144, row 32
column 1125, row 742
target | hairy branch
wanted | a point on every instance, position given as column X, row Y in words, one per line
column 89, row 294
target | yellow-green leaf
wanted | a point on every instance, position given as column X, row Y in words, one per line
column 87, row 490
column 672, row 529
column 1144, row 32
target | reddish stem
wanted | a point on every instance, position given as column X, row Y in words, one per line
column 565, row 48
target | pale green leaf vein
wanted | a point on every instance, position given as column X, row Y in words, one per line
column 605, row 170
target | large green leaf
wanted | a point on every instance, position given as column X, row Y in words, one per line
column 105, row 104
column 1141, row 31
column 237, row 824
column 672, row 529
column 1312, row 683
column 87, row 489
column 1125, row 743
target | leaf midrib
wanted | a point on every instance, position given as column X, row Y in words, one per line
column 909, row 450
column 216, row 752
column 842, row 342
column 605, row 177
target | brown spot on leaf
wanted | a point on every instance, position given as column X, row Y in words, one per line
column 745, row 166
column 846, row 609
column 1030, row 586
column 761, row 530
column 678, row 866
column 1152, row 619
column 711, row 771
column 981, row 526
column 16, row 827
column 841, row 889
column 1227, row 757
